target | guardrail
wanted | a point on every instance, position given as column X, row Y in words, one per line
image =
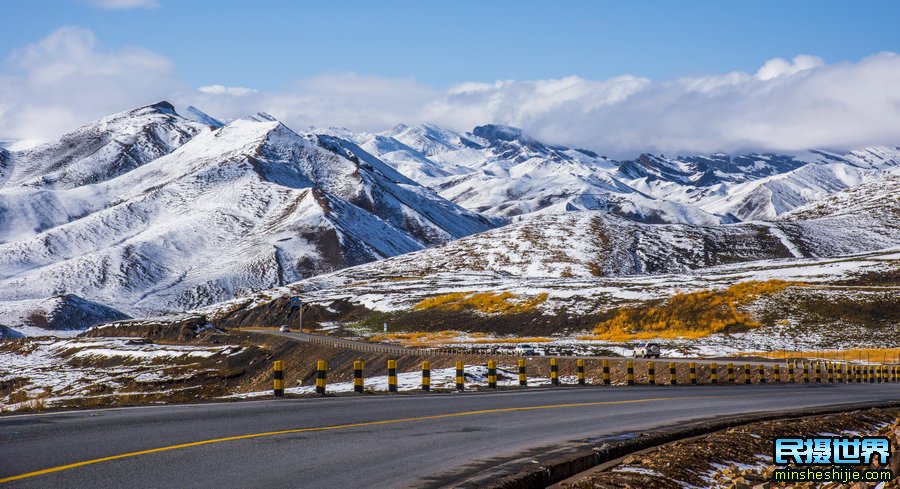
column 835, row 373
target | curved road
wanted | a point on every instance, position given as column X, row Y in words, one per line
column 432, row 440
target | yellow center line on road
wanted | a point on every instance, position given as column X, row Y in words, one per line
column 61, row 468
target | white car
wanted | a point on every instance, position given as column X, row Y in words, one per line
column 646, row 350
column 525, row 350
column 285, row 328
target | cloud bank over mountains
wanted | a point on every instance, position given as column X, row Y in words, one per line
column 69, row 78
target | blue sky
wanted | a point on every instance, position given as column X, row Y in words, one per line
column 619, row 76
column 266, row 44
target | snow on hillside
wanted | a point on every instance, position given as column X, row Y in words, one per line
column 60, row 316
column 590, row 259
column 150, row 212
column 876, row 199
column 499, row 171
column 242, row 208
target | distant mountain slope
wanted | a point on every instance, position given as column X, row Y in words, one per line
column 878, row 199
column 241, row 208
column 592, row 244
column 499, row 171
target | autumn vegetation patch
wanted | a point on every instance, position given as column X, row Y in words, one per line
column 483, row 302
column 690, row 314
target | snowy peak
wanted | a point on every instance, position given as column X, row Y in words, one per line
column 104, row 149
column 428, row 139
column 197, row 115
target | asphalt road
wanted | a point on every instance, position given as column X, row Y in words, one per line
column 382, row 441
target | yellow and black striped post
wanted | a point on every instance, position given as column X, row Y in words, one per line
column 761, row 370
column 605, row 367
column 579, row 367
column 358, row 376
column 460, row 377
column 871, row 370
column 830, row 367
column 426, row 375
column 321, row 373
column 279, row 378
column 791, row 377
column 392, row 375
column 748, row 379
column 492, row 374
column 714, row 373
column 651, row 373
column 859, row 373
column 776, row 373
column 840, row 373
column 629, row 373
column 523, row 374
column 554, row 371
column 805, row 373
column 818, row 372
column 731, row 373
column 693, row 367
column 673, row 378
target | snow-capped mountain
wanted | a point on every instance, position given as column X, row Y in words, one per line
column 148, row 211
column 232, row 210
column 103, row 149
column 497, row 170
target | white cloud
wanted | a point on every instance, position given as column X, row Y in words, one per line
column 65, row 79
column 778, row 66
column 784, row 106
column 123, row 4
column 222, row 89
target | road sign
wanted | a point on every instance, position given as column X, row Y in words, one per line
column 296, row 302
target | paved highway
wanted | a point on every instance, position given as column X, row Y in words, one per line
column 432, row 440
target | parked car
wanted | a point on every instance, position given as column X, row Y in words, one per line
column 525, row 350
column 285, row 328
column 646, row 350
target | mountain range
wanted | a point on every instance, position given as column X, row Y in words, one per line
column 149, row 211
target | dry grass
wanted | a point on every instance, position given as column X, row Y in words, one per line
column 421, row 339
column 483, row 302
column 689, row 315
column 503, row 341
column 26, row 402
column 878, row 355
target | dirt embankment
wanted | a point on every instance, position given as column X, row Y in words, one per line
column 741, row 457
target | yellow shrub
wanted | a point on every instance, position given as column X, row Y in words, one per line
column 418, row 339
column 484, row 302
column 689, row 315
column 499, row 341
